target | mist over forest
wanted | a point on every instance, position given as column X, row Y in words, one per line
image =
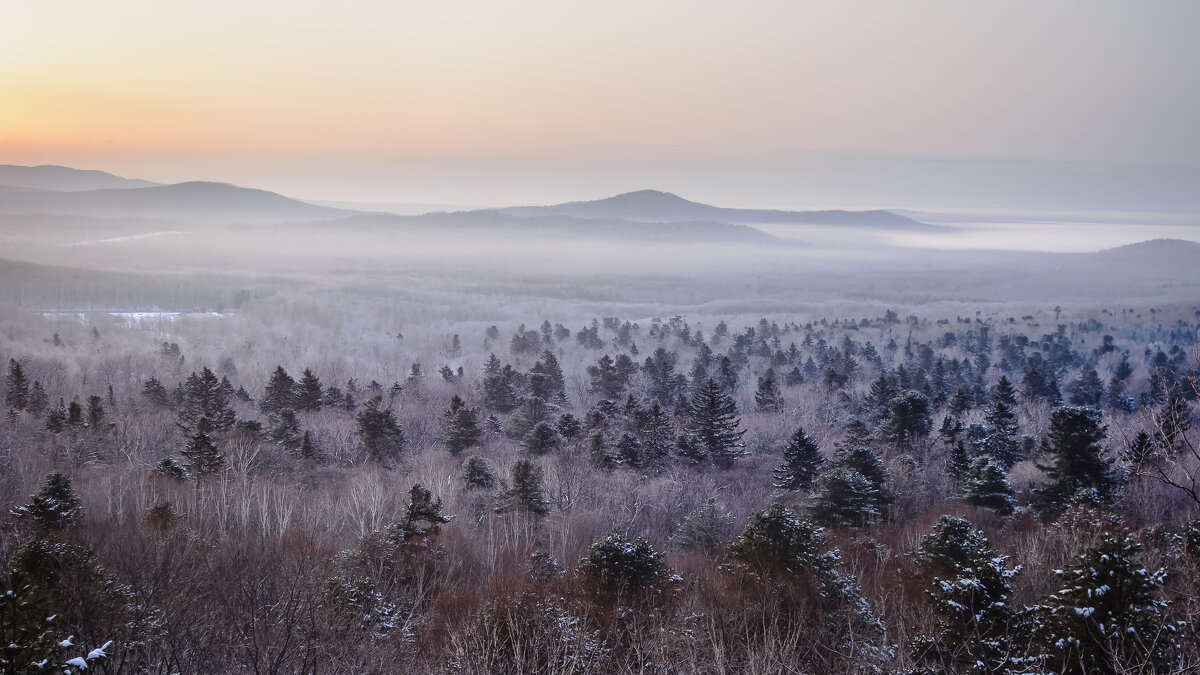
column 639, row 433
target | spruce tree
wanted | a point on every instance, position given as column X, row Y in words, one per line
column 460, row 427
column 154, row 392
column 38, row 401
column 548, row 367
column 1140, row 448
column 657, row 434
column 614, row 564
column 1088, row 390
column 665, row 383
column 204, row 397
column 985, row 485
column 53, row 507
column 541, row 439
column 801, row 461
column 280, row 393
column 381, row 434
column 203, row 457
column 704, row 528
column 1107, row 615
column 95, row 412
column 1002, row 440
column 1079, row 470
column 713, row 423
column 1172, row 421
column 16, row 396
column 528, row 414
column 767, row 398
column 909, row 418
column 423, row 515
column 525, row 492
column 476, row 474
column 309, row 392
column 308, row 450
column 606, row 379
column 844, row 497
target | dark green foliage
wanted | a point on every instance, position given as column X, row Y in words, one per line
column 615, row 564
column 1107, row 614
column 56, row 418
column 844, row 497
column 16, row 395
column 38, row 401
column 204, row 397
column 801, row 461
column 1079, row 471
column 423, row 515
column 1140, row 448
column 172, row 469
column 1001, row 442
column 203, row 457
column 606, row 378
column 985, row 485
column 53, row 507
column 309, row 392
column 528, row 414
column 969, row 590
column 95, row 412
column 541, row 439
column 549, row 374
column 280, row 393
column 74, row 414
column 569, row 426
column 659, row 368
column 596, row 446
column 909, row 419
column 1088, row 390
column 501, row 388
column 767, row 398
column 28, row 632
column 476, row 474
column 285, row 429
column 460, row 427
column 713, row 424
column 656, row 432
column 1172, row 421
column 381, row 434
column 308, row 450
column 525, row 492
column 156, row 393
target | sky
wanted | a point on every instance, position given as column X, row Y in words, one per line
column 1089, row 104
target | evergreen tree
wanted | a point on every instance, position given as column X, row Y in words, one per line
column 53, row 507
column 843, row 497
column 308, row 451
column 985, row 485
column 285, row 429
column 423, row 515
column 280, row 394
column 16, row 396
column 1079, row 470
column 309, row 392
column 909, row 419
column 526, row 493
column 713, row 423
column 460, row 427
column 596, row 446
column 381, row 434
column 528, row 414
column 801, row 461
column 74, row 414
column 614, row 564
column 657, row 434
column 665, row 383
column 95, row 412
column 1088, row 390
column 629, row 450
column 541, row 439
column 1140, row 448
column 768, row 398
column 969, row 589
column 555, row 387
column 704, row 528
column 1173, row 421
column 204, row 397
column 476, row 474
column 154, row 392
column 1107, row 617
column 170, row 468
column 606, row 379
column 569, row 426
column 203, row 457
column 56, row 418
column 38, row 401
column 1002, row 441
column 501, row 391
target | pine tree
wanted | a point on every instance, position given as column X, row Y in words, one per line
column 801, row 461
column 309, row 392
column 1088, row 390
column 381, row 434
column 1140, row 448
column 531, row 412
column 1079, row 470
column 203, row 457
column 16, row 397
column 548, row 367
column 606, row 379
column 596, row 446
column 1107, row 614
column 55, row 506
column 614, row 564
column 460, row 427
column 665, row 383
column 423, row 515
column 969, row 589
column 476, row 474
column 714, row 424
column 280, row 393
column 154, row 392
column 844, row 497
column 768, row 398
column 526, row 493
column 285, row 429
column 985, row 485
column 629, row 450
column 909, row 419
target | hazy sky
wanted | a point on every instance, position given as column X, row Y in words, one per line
column 777, row 103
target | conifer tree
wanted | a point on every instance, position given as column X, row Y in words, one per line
column 460, row 426
column 969, row 589
column 38, row 401
column 606, row 379
column 985, row 485
column 547, row 366
column 704, row 528
column 657, row 434
column 541, row 439
column 1140, row 448
column 909, row 418
column 95, row 412
column 476, row 474
column 528, row 414
column 1107, row 615
column 767, row 398
column 308, row 450
column 713, row 423
column 154, row 392
column 1173, row 421
column 381, row 434
column 1001, row 442
column 801, row 461
column 844, row 497
column 55, row 506
column 280, row 393
column 615, row 564
column 1079, row 470
column 665, row 383
column 309, row 392
column 204, row 397
column 423, row 515
column 203, row 457
column 1088, row 390
column 526, row 493
column 16, row 396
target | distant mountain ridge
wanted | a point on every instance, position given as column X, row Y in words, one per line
column 199, row 202
column 64, row 179
column 656, row 206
